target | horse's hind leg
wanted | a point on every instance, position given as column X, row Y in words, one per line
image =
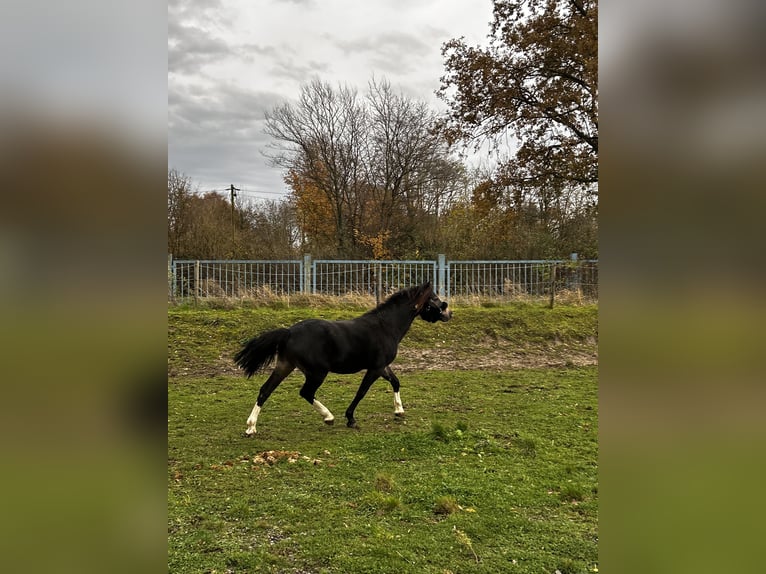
column 279, row 373
column 308, row 392
column 389, row 375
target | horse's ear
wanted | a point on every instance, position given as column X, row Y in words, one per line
column 423, row 295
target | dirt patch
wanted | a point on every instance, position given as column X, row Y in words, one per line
column 497, row 358
column 485, row 354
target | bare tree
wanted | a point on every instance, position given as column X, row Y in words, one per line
column 400, row 149
column 179, row 208
column 268, row 231
column 320, row 139
column 378, row 164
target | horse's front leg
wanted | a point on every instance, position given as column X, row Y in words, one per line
column 369, row 378
column 389, row 375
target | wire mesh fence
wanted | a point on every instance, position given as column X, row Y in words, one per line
column 378, row 278
column 518, row 279
column 474, row 280
column 235, row 279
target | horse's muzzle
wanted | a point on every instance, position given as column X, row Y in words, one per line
column 446, row 315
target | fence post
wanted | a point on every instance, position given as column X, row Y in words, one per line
column 196, row 282
column 378, row 283
column 314, row 278
column 306, row 279
column 441, row 266
column 171, row 279
column 577, row 280
column 554, row 268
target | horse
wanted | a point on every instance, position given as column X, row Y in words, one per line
column 317, row 347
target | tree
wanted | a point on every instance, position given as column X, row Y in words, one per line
column 314, row 214
column 369, row 172
column 405, row 162
column 210, row 232
column 179, row 202
column 318, row 139
column 199, row 226
column 537, row 80
column 267, row 230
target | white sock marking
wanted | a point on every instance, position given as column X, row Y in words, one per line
column 327, row 416
column 252, row 419
column 398, row 408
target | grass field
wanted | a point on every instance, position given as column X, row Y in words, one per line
column 493, row 469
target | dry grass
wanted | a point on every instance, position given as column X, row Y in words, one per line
column 216, row 298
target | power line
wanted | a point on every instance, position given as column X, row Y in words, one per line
column 263, row 191
column 252, row 191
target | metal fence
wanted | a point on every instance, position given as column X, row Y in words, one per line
column 514, row 279
column 336, row 277
column 237, row 279
column 506, row 280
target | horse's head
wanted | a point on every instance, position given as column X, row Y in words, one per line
column 430, row 308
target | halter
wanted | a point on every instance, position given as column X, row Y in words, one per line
column 421, row 301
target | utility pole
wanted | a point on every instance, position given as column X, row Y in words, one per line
column 232, row 189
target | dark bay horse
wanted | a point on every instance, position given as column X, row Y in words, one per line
column 318, row 347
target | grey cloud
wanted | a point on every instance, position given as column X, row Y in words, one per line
column 287, row 68
column 307, row 3
column 218, row 136
column 182, row 9
column 190, row 48
column 258, row 50
column 229, row 107
column 390, row 51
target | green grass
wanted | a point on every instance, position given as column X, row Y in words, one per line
column 201, row 341
column 490, row 471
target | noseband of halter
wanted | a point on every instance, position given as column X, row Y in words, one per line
column 422, row 299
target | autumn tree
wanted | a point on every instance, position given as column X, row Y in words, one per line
column 200, row 225
column 375, row 169
column 210, row 233
column 319, row 138
column 267, row 230
column 537, row 82
column 314, row 214
column 408, row 169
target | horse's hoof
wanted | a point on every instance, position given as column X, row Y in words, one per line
column 330, row 422
column 352, row 425
column 399, row 415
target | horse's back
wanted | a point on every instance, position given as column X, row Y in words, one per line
column 335, row 346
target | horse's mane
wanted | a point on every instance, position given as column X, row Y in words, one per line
column 395, row 299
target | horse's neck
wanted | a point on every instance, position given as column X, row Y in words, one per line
column 397, row 320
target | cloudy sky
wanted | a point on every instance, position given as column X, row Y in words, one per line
column 229, row 61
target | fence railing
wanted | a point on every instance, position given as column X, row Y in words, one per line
column 506, row 280
column 510, row 279
column 337, row 277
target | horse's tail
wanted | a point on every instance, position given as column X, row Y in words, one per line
column 259, row 352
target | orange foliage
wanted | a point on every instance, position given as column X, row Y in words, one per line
column 377, row 243
column 313, row 209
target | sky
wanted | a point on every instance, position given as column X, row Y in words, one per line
column 230, row 61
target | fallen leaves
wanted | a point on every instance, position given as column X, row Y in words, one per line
column 270, row 458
